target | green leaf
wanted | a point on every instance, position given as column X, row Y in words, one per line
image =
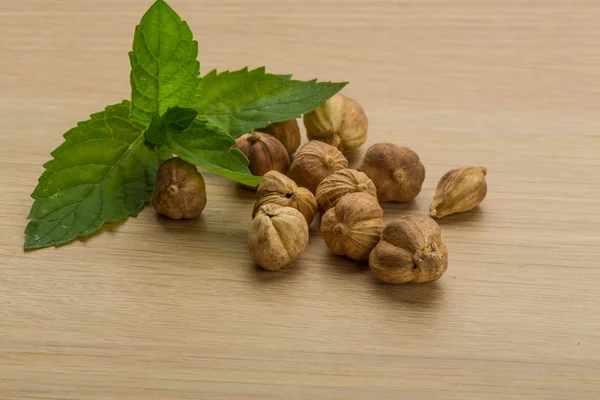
column 157, row 131
column 176, row 120
column 179, row 119
column 164, row 69
column 241, row 101
column 101, row 173
column 212, row 151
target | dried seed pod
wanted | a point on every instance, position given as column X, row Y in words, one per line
column 397, row 172
column 277, row 236
column 459, row 190
column 287, row 132
column 353, row 227
column 410, row 250
column 276, row 188
column 264, row 152
column 344, row 181
column 340, row 121
column 314, row 162
column 180, row 191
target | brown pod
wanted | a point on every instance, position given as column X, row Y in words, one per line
column 277, row 236
column 410, row 250
column 353, row 227
column 459, row 190
column 344, row 181
column 287, row 132
column 314, row 162
column 397, row 172
column 264, row 152
column 340, row 121
column 180, row 191
column 276, row 188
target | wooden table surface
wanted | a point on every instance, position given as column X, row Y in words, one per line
column 160, row 309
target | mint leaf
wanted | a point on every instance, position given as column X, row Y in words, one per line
column 212, row 151
column 241, row 101
column 157, row 131
column 176, row 120
column 103, row 172
column 164, row 70
column 179, row 119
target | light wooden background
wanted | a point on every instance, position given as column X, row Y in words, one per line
column 157, row 309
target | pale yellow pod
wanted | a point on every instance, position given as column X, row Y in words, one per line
column 459, row 190
column 340, row 122
column 344, row 181
column 277, row 236
column 314, row 162
column 353, row 227
column 276, row 188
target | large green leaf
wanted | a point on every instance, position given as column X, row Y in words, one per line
column 164, row 69
column 212, row 150
column 103, row 172
column 241, row 101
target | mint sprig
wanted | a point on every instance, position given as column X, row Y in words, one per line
column 105, row 169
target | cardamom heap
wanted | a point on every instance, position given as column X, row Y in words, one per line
column 459, row 190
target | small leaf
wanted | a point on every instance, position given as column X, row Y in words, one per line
column 212, row 151
column 164, row 69
column 103, row 172
column 179, row 119
column 241, row 101
column 157, row 131
column 175, row 120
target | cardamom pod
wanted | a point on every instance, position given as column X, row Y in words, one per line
column 459, row 190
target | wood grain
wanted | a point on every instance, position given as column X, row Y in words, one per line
column 157, row 309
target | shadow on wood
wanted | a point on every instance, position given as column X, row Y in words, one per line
column 417, row 295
